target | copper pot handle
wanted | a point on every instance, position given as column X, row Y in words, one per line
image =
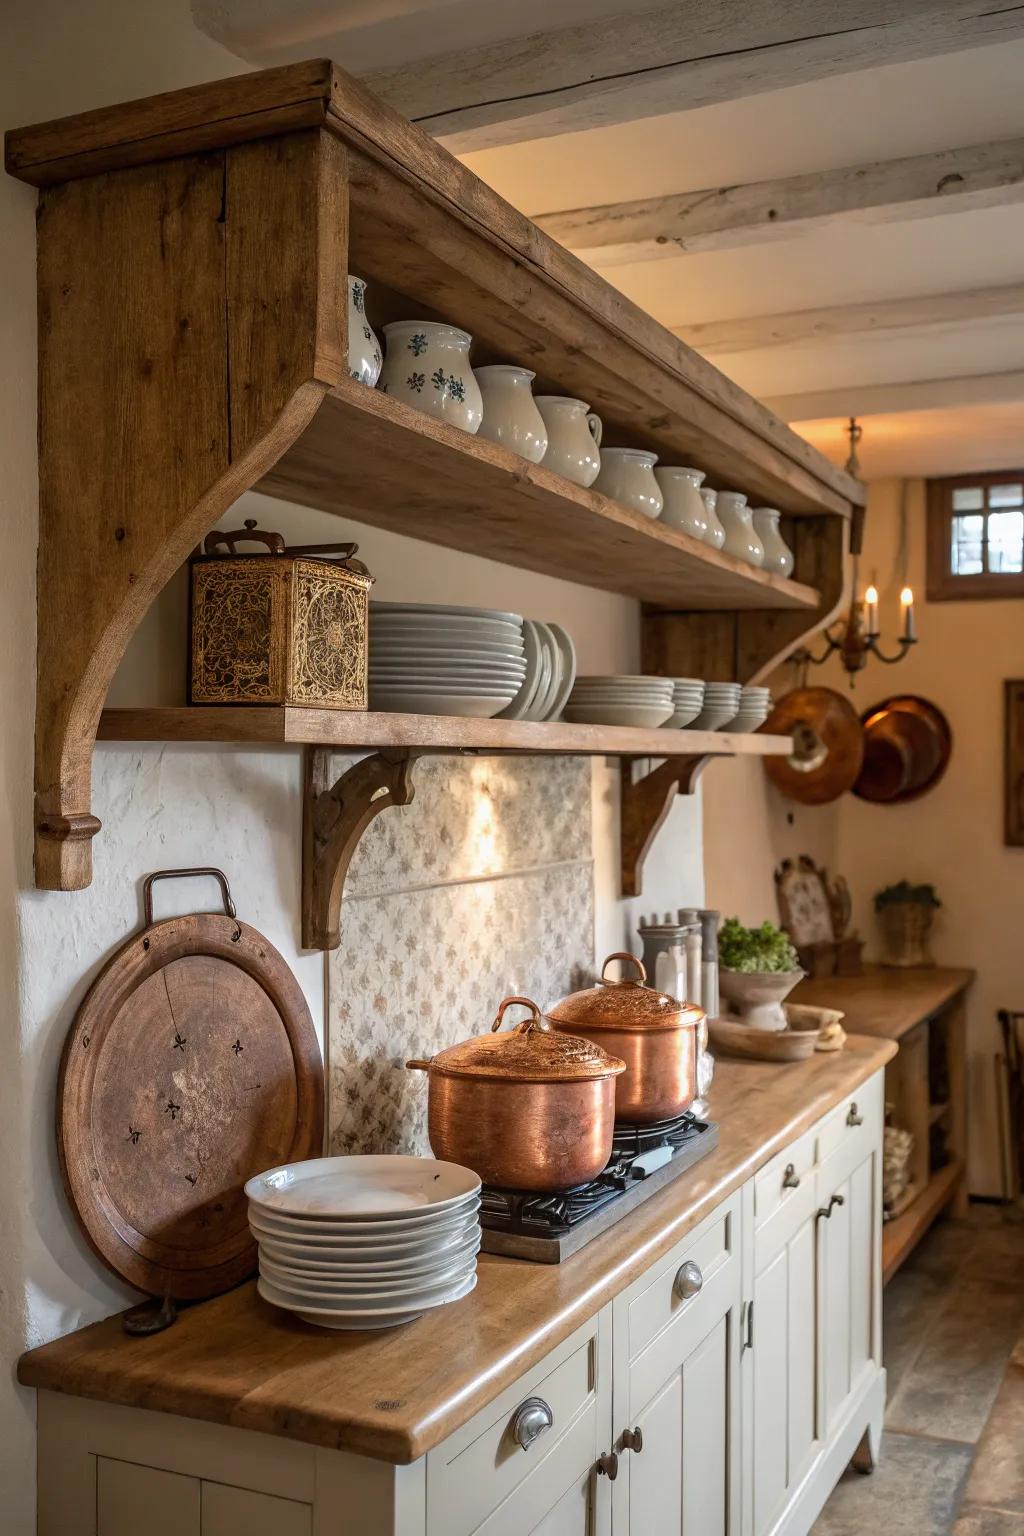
column 418, row 1066
column 525, row 1025
column 624, row 955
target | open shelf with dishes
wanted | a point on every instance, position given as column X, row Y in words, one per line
column 216, row 337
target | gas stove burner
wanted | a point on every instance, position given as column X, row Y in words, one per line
column 548, row 1227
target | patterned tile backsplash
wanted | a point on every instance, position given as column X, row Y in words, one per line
column 482, row 887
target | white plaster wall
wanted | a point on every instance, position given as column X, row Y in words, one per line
column 174, row 806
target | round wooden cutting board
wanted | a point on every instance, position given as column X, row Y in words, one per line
column 191, row 1065
column 829, row 745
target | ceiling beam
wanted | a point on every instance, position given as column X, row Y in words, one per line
column 934, row 312
column 715, row 218
column 888, row 399
column 644, row 62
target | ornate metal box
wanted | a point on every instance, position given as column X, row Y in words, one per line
column 279, row 626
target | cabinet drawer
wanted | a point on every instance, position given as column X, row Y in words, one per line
column 857, row 1120
column 774, row 1186
column 476, row 1470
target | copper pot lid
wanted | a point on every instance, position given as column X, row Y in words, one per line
column 627, row 1004
column 529, row 1053
column 828, row 745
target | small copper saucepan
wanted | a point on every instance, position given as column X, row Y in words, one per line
column 528, row 1108
column 653, row 1033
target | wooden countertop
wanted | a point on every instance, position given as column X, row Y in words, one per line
column 886, row 1001
column 395, row 1394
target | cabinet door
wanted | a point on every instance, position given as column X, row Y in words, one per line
column 848, row 1267
column 240, row 1512
column 783, row 1341
column 131, row 1499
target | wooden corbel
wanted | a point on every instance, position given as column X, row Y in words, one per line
column 645, row 804
column 334, row 817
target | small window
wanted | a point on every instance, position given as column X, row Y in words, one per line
column 976, row 536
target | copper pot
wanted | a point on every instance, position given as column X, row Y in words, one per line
column 653, row 1033
column 525, row 1109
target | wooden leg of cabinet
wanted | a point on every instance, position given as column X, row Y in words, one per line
column 956, row 1065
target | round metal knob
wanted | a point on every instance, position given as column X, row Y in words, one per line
column 633, row 1440
column 530, row 1420
column 688, row 1281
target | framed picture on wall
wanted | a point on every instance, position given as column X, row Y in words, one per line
column 1013, row 732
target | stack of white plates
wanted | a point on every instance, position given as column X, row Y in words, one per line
column 721, row 701
column 365, row 1242
column 755, row 707
column 427, row 659
column 550, row 673
column 642, row 702
column 687, row 702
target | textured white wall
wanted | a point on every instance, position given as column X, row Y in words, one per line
column 174, row 806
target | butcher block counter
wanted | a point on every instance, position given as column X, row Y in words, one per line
column 394, row 1395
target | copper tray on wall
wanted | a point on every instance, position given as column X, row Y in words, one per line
column 191, row 1065
column 907, row 747
column 829, row 746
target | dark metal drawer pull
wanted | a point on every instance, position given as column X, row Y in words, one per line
column 633, row 1440
column 826, row 1210
column 790, row 1179
column 852, row 1117
column 608, row 1465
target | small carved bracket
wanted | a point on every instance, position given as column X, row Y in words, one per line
column 645, row 804
column 334, row 818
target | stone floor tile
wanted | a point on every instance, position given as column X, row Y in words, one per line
column 915, row 1489
column 976, row 1520
column 913, row 1300
column 949, row 1390
column 997, row 1476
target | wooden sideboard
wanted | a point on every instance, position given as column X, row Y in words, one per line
column 924, row 1010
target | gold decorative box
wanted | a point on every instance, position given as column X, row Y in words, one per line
column 278, row 626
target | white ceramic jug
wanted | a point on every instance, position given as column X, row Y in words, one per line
column 427, row 365
column 511, row 416
column 574, row 438
column 737, row 519
column 364, row 354
column 627, row 476
column 715, row 535
column 684, row 505
column 778, row 556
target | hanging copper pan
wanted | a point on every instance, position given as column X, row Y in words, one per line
column 828, row 745
column 907, row 747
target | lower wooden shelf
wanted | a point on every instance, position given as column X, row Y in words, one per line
column 357, row 731
column 901, row 1235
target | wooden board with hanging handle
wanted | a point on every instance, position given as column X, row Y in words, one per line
column 191, row 1065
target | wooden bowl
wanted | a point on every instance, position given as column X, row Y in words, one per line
column 730, row 1037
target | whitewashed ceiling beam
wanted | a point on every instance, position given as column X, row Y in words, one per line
column 716, row 218
column 888, row 399
column 932, row 313
column 644, row 62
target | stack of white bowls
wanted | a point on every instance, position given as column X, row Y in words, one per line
column 755, row 707
column 365, row 1242
column 428, row 659
column 550, row 673
column 641, row 702
column 721, row 701
column 687, row 702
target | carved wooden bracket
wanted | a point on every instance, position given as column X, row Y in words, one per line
column 334, row 818
column 645, row 804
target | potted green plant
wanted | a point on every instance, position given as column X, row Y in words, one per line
column 905, row 915
column 757, row 968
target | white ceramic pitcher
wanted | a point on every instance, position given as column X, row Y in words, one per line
column 737, row 519
column 574, row 438
column 364, row 354
column 778, row 556
column 684, row 505
column 511, row 416
column 427, row 365
column 715, row 535
column 627, row 476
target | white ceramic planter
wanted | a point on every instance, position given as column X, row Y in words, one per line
column 627, row 476
column 574, row 438
column 778, row 556
column 715, row 535
column 511, row 416
column 364, row 353
column 427, row 365
column 737, row 519
column 684, row 505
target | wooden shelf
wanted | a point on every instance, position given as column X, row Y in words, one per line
column 902, row 1234
column 431, row 481
column 354, row 732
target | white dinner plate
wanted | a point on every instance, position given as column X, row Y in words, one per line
column 640, row 718
column 310, row 1261
column 517, row 708
column 681, row 717
column 455, row 671
column 322, row 1248
column 362, row 1187
column 371, row 1288
column 469, row 706
column 553, row 656
column 475, row 650
column 332, row 1317
column 409, row 1228
column 447, row 610
column 384, row 1301
column 567, row 665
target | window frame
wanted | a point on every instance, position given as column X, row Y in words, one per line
column 942, row 584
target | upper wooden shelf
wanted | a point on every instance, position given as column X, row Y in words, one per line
column 352, row 731
column 431, row 481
